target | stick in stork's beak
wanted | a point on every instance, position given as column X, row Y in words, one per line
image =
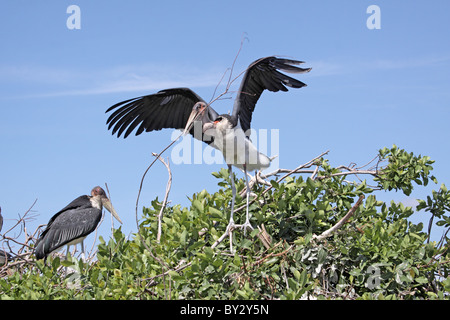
column 108, row 206
column 197, row 111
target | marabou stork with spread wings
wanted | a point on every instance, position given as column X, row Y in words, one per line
column 181, row 107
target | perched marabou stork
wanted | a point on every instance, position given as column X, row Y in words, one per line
column 74, row 223
column 181, row 107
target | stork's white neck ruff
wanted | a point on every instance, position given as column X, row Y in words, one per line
column 96, row 202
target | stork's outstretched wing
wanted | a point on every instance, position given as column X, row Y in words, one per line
column 261, row 75
column 165, row 109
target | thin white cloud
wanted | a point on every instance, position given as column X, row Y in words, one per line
column 52, row 82
column 27, row 74
column 332, row 67
column 415, row 62
column 326, row 68
column 44, row 81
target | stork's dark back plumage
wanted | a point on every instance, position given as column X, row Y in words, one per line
column 75, row 221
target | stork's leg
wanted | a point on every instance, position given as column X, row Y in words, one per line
column 83, row 258
column 247, row 216
column 231, row 224
column 67, row 257
column 233, row 190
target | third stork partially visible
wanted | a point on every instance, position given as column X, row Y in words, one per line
column 180, row 108
column 1, row 219
column 4, row 256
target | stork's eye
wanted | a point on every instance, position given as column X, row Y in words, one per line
column 218, row 120
column 199, row 106
column 98, row 191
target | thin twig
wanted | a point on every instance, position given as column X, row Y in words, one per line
column 218, row 84
column 21, row 219
column 169, row 184
column 145, row 173
column 230, row 81
column 109, row 197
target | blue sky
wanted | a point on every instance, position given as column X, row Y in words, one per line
column 368, row 89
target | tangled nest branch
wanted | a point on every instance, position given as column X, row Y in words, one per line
column 23, row 254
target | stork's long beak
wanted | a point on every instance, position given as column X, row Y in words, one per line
column 194, row 116
column 108, row 206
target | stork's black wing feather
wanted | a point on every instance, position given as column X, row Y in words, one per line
column 165, row 109
column 79, row 203
column 261, row 75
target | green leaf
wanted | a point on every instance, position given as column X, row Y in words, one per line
column 274, row 184
column 197, row 205
column 322, row 256
column 421, row 280
column 183, row 237
column 67, row 263
column 215, row 213
column 296, row 274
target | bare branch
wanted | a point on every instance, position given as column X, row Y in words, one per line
column 340, row 223
column 169, row 184
column 145, row 173
column 346, row 173
column 290, row 172
column 21, row 219
column 264, row 236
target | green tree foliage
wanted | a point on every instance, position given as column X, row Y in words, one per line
column 313, row 239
